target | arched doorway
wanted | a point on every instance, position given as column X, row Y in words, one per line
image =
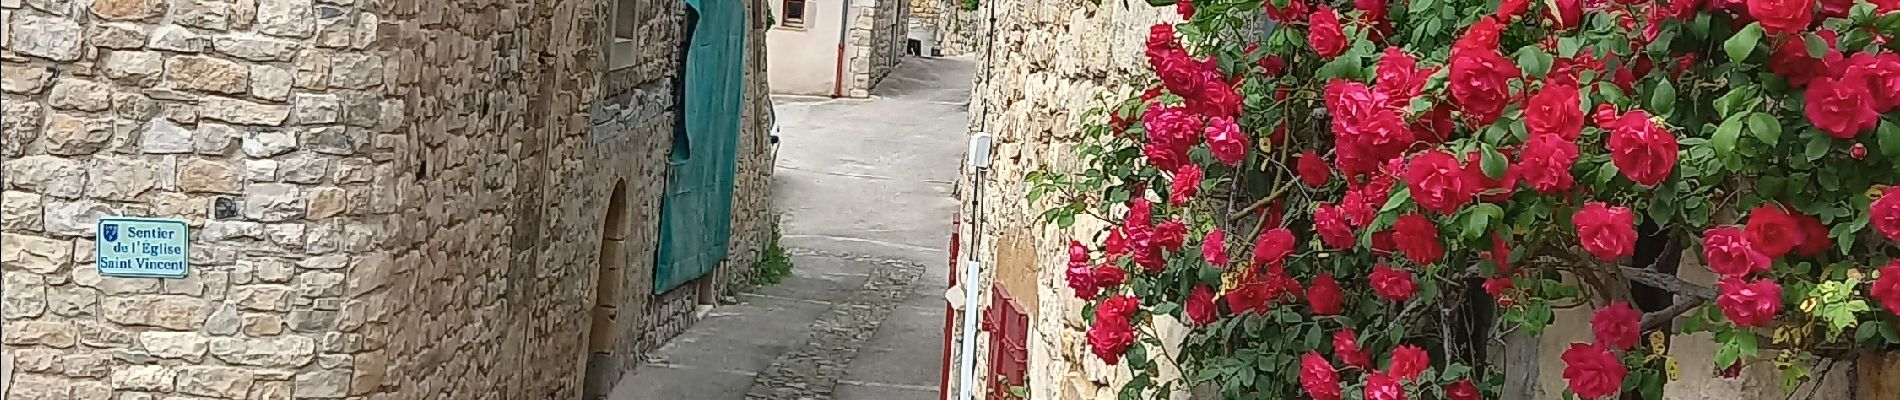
column 610, row 273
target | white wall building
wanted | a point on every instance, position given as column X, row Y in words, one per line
column 838, row 48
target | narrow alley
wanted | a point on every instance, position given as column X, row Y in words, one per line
column 865, row 189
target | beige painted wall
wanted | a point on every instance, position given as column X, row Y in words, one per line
column 805, row 60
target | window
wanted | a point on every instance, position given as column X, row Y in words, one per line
column 623, row 50
column 792, row 14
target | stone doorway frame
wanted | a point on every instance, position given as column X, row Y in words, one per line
column 609, row 273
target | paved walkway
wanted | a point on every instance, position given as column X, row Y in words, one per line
column 866, row 188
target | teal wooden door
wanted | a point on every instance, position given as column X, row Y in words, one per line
column 696, row 212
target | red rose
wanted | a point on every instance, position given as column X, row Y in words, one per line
column 1510, row 9
column 1644, row 151
column 1273, row 246
column 1481, row 83
column 1842, row 107
column 1556, row 109
column 1111, row 334
column 1565, row 14
column 1605, row 116
column 1373, row 12
column 1418, row 238
column 1078, row 275
column 1618, row 326
column 1200, row 305
column 1333, row 229
column 1171, row 235
column 1164, row 157
column 1120, row 307
column 1884, row 6
column 1438, row 183
column 1496, row 190
column 1606, row 232
column 1160, row 43
column 1272, row 64
column 1346, row 347
column 1217, row 99
column 1116, row 244
column 1408, row 362
column 1481, row 35
column 1886, row 288
column 1593, row 372
column 1225, row 140
column 1463, row 389
column 1399, row 77
column 1835, row 8
column 1325, row 296
column 1171, row 132
column 1859, row 151
column 1110, row 275
column 1214, row 248
column 1326, row 36
column 1749, row 303
column 1435, row 126
column 1727, row 251
column 1814, row 239
column 1313, row 169
column 1187, row 182
column 1773, row 232
column 1185, row 8
column 1108, row 339
column 1791, row 61
column 1392, row 284
column 1881, row 73
column 1317, row 377
column 1293, row 11
column 1545, row 163
column 1782, row 16
column 1885, row 214
column 1496, row 287
column 1380, row 386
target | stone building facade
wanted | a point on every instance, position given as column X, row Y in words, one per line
column 1054, row 60
column 388, row 199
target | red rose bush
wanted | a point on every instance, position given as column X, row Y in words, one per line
column 1396, row 182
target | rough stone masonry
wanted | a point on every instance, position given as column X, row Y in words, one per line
column 388, row 199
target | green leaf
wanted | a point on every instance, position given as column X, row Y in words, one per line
column 1817, row 47
column 1478, row 220
column 1534, row 61
column 1567, row 46
column 1494, row 164
column 1889, row 135
column 1398, row 199
column 1727, row 134
column 1765, row 128
column 1343, row 67
column 1700, row 27
column 1818, row 146
column 1664, row 99
column 1743, row 43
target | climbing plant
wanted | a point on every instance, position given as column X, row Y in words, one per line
column 1354, row 200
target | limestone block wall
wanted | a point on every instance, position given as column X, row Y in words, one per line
column 1053, row 60
column 265, row 125
column 876, row 42
column 960, row 31
column 389, row 199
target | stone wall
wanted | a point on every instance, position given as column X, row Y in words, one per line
column 960, row 31
column 876, row 38
column 395, row 199
column 1053, row 60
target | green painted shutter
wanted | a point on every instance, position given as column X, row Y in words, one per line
column 696, row 213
